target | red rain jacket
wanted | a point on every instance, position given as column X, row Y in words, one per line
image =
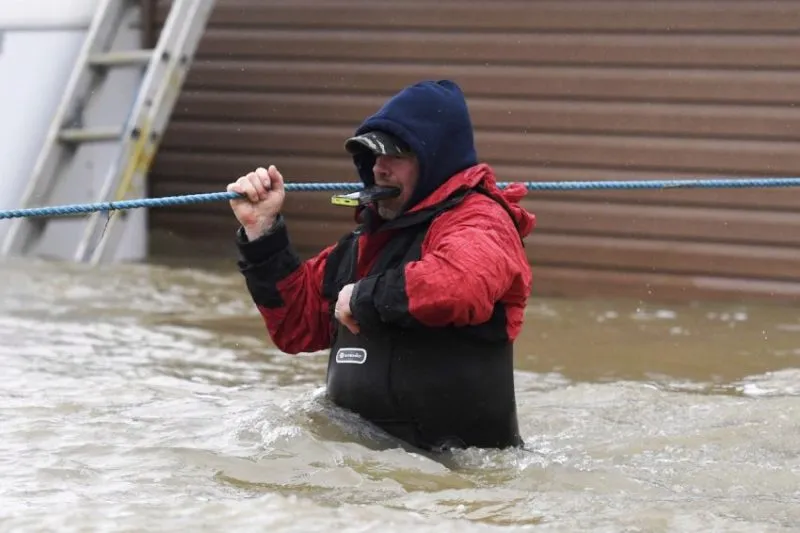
column 472, row 257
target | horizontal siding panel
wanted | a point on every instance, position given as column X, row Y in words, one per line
column 661, row 222
column 764, row 198
column 698, row 154
column 575, row 251
column 509, row 48
column 199, row 170
column 665, row 256
column 183, row 221
column 548, row 280
column 182, row 172
column 182, row 229
column 220, row 222
column 308, row 206
column 506, row 114
column 631, row 15
column 571, row 282
column 645, row 85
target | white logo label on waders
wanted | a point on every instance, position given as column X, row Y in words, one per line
column 355, row 356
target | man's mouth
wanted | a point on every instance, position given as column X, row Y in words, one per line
column 378, row 193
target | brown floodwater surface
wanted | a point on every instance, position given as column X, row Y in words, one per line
column 148, row 398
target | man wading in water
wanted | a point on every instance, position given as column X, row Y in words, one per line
column 420, row 305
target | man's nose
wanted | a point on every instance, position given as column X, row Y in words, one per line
column 380, row 165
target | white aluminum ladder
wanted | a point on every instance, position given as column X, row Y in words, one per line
column 106, row 129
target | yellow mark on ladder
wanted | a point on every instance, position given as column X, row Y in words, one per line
column 143, row 152
column 139, row 162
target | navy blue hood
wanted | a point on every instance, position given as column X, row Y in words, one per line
column 432, row 118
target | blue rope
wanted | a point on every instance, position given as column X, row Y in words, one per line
column 532, row 185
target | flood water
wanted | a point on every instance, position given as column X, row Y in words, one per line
column 148, row 398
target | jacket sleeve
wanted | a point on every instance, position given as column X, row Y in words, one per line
column 286, row 290
column 472, row 258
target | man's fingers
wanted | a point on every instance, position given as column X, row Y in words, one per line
column 239, row 186
column 243, row 186
column 350, row 324
column 346, row 319
column 257, row 185
column 257, row 180
column 276, row 179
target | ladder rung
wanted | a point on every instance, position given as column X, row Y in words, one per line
column 81, row 135
column 119, row 59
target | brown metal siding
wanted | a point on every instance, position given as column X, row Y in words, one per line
column 586, row 90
